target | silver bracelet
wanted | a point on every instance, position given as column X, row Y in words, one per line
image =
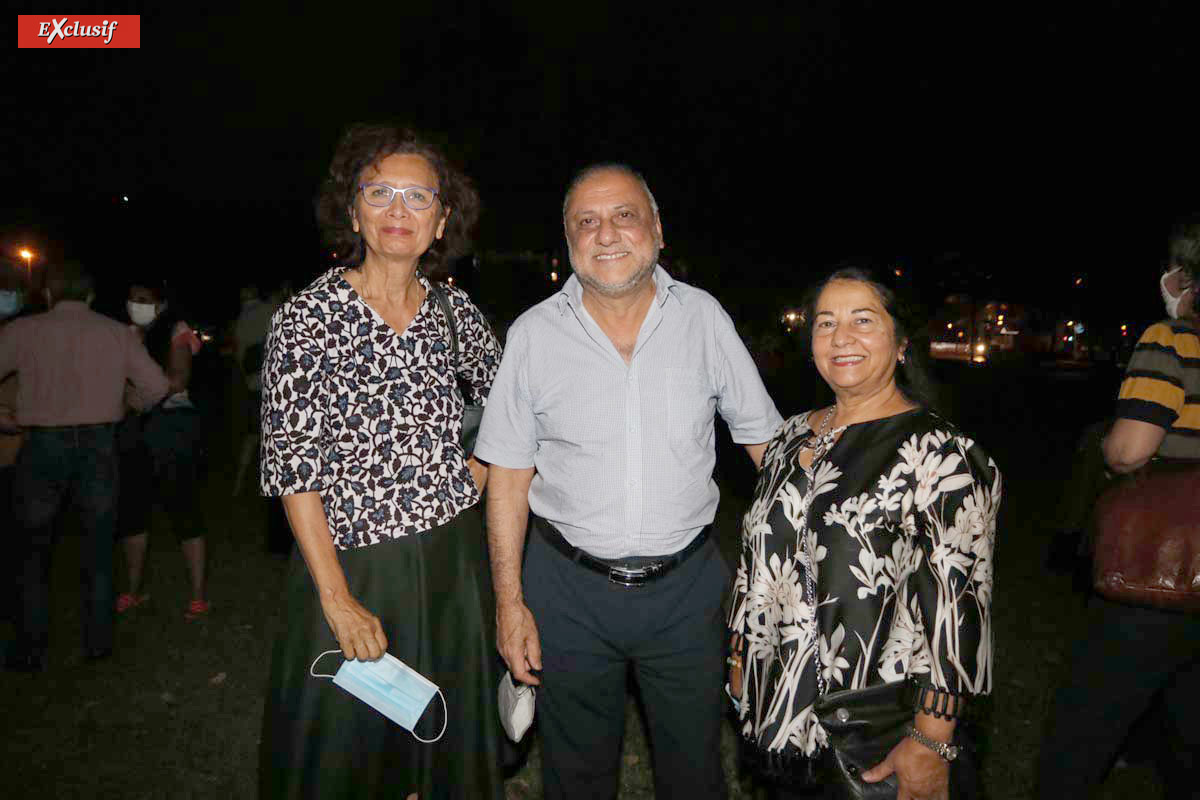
column 946, row 751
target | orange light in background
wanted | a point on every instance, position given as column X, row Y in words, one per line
column 899, row 272
column 949, row 326
column 27, row 254
column 554, row 276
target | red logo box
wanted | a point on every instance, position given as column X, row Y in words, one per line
column 49, row 31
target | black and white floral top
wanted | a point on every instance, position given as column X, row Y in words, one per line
column 874, row 567
column 370, row 418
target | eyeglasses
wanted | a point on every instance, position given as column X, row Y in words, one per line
column 418, row 198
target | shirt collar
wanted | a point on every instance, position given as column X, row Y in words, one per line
column 571, row 295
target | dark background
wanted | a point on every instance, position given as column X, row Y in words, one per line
column 1001, row 148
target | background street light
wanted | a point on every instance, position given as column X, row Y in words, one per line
column 27, row 254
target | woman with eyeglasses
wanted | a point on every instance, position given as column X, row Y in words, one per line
column 362, row 420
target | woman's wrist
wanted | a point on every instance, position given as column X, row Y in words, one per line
column 936, row 728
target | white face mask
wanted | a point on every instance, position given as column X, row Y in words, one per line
column 1169, row 300
column 142, row 314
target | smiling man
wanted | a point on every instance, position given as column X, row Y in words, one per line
column 601, row 421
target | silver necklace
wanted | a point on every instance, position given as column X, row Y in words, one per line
column 822, row 439
column 820, row 445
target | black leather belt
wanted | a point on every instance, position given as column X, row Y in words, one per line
column 628, row 576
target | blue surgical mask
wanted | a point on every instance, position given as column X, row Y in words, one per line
column 389, row 686
column 11, row 301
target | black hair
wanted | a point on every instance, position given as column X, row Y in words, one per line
column 69, row 280
column 909, row 321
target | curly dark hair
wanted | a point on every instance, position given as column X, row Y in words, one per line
column 364, row 145
column 909, row 321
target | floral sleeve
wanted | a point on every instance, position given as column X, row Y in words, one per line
column 294, row 403
column 951, row 506
column 479, row 350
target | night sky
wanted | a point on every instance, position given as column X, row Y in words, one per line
column 1004, row 148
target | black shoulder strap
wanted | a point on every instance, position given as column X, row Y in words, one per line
column 444, row 302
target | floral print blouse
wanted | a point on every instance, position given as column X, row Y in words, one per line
column 873, row 568
column 368, row 417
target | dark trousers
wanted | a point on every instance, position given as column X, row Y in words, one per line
column 1126, row 655
column 57, row 466
column 10, row 569
column 671, row 631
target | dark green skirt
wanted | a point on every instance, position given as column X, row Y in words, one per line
column 432, row 593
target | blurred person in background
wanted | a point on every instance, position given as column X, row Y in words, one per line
column 249, row 338
column 74, row 367
column 1129, row 654
column 160, row 452
column 250, row 334
column 12, row 303
column 361, row 439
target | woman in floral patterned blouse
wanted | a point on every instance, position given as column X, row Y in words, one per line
column 362, row 421
column 867, row 553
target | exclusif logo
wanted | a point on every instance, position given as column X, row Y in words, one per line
column 49, row 31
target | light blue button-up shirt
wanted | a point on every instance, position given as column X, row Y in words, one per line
column 624, row 452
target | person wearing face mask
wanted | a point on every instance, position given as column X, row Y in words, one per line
column 362, row 440
column 77, row 369
column 160, row 449
column 1127, row 654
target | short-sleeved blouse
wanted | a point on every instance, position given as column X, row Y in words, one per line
column 870, row 568
column 368, row 417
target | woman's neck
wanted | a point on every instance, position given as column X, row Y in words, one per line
column 851, row 409
column 388, row 281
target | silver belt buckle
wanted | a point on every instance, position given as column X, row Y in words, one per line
column 633, row 578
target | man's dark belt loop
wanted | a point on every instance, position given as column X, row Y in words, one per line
column 626, row 576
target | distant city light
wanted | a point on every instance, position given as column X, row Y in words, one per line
column 949, row 326
column 960, row 334
column 450, row 280
column 1079, row 281
column 899, row 272
column 125, row 197
column 554, row 276
column 981, row 348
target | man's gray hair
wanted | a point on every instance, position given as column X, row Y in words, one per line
column 607, row 166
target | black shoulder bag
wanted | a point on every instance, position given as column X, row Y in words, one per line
column 472, row 413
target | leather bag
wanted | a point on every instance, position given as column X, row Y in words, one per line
column 863, row 726
column 472, row 413
column 1146, row 538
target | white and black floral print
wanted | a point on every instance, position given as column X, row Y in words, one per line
column 368, row 417
column 873, row 567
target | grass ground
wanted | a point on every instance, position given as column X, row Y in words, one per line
column 176, row 712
